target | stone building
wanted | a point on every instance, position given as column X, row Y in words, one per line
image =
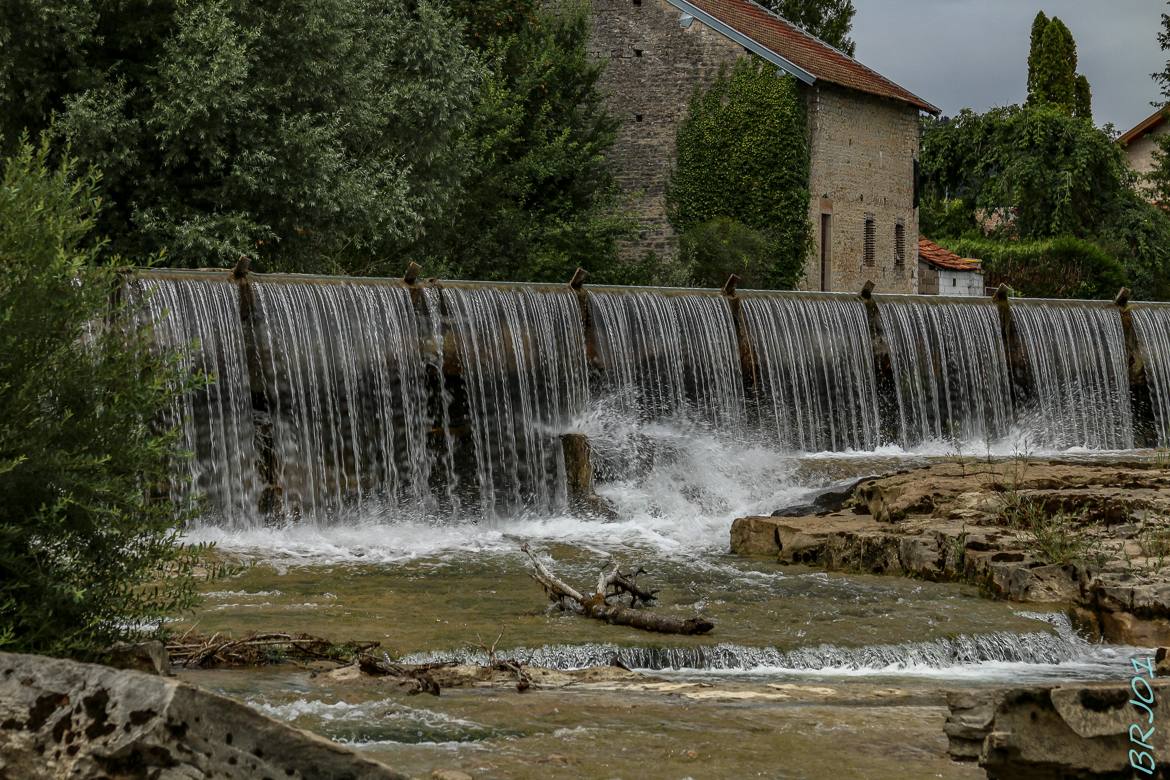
column 1141, row 142
column 864, row 129
column 942, row 272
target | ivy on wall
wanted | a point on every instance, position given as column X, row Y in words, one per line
column 743, row 157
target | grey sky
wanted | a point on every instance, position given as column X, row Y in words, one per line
column 974, row 53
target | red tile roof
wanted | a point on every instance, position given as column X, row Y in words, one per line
column 932, row 253
column 810, row 54
column 1147, row 125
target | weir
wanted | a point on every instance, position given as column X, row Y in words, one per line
column 338, row 397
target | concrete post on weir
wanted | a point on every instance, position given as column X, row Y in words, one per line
column 883, row 366
column 747, row 358
column 592, row 355
column 272, row 494
column 1022, row 387
column 1145, row 427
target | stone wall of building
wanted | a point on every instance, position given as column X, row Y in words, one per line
column 1141, row 152
column 863, row 150
column 654, row 66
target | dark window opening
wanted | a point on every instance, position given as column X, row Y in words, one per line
column 637, row 117
column 870, row 248
column 637, row 52
column 900, row 243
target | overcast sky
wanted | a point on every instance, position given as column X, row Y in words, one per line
column 974, row 53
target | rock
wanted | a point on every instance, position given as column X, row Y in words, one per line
column 755, row 536
column 1073, row 732
column 950, row 522
column 831, row 499
column 66, row 719
column 150, row 657
column 1162, row 658
column 450, row 774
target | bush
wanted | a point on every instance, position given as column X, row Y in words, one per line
column 88, row 551
column 1055, row 268
column 714, row 250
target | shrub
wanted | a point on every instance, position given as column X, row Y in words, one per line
column 720, row 247
column 88, row 551
column 1054, row 268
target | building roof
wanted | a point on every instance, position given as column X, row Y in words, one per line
column 935, row 255
column 792, row 49
column 1147, row 125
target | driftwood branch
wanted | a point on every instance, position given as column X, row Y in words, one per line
column 613, row 583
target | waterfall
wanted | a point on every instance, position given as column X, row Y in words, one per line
column 521, row 354
column 814, row 360
column 1152, row 324
column 1076, row 361
column 950, row 370
column 334, row 398
column 200, row 321
column 344, row 376
column 670, row 357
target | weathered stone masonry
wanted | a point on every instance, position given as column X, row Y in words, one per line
column 654, row 67
column 862, row 146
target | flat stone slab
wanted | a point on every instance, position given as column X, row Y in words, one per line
column 63, row 719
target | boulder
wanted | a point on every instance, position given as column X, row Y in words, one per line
column 150, row 657
column 1072, row 732
column 66, row 719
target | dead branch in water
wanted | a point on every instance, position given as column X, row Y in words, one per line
column 260, row 649
column 613, row 585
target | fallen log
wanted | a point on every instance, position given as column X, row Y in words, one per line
column 611, row 586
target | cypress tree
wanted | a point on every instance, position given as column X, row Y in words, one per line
column 1056, row 68
column 1084, row 99
column 1039, row 25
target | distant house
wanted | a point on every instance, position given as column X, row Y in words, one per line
column 1140, row 142
column 864, row 129
column 942, row 272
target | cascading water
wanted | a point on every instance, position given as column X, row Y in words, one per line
column 1076, row 361
column 344, row 374
column 1152, row 324
column 200, row 320
column 670, row 356
column 950, row 370
column 522, row 364
column 815, row 366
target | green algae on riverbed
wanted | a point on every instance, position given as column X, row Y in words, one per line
column 437, row 604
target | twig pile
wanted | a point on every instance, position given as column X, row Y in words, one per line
column 260, row 649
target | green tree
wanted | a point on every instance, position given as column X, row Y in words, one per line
column 1040, row 172
column 87, row 550
column 540, row 198
column 1039, row 24
column 743, row 154
column 315, row 135
column 1158, row 180
column 1053, row 78
column 829, row 20
column 1084, row 99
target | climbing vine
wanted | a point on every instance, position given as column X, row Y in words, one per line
column 743, row 155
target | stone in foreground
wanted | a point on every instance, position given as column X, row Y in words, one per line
column 1073, row 732
column 67, row 719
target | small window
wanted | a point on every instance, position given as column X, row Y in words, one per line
column 637, row 52
column 955, row 282
column 637, row 117
column 900, row 243
column 637, row 2
column 870, row 239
